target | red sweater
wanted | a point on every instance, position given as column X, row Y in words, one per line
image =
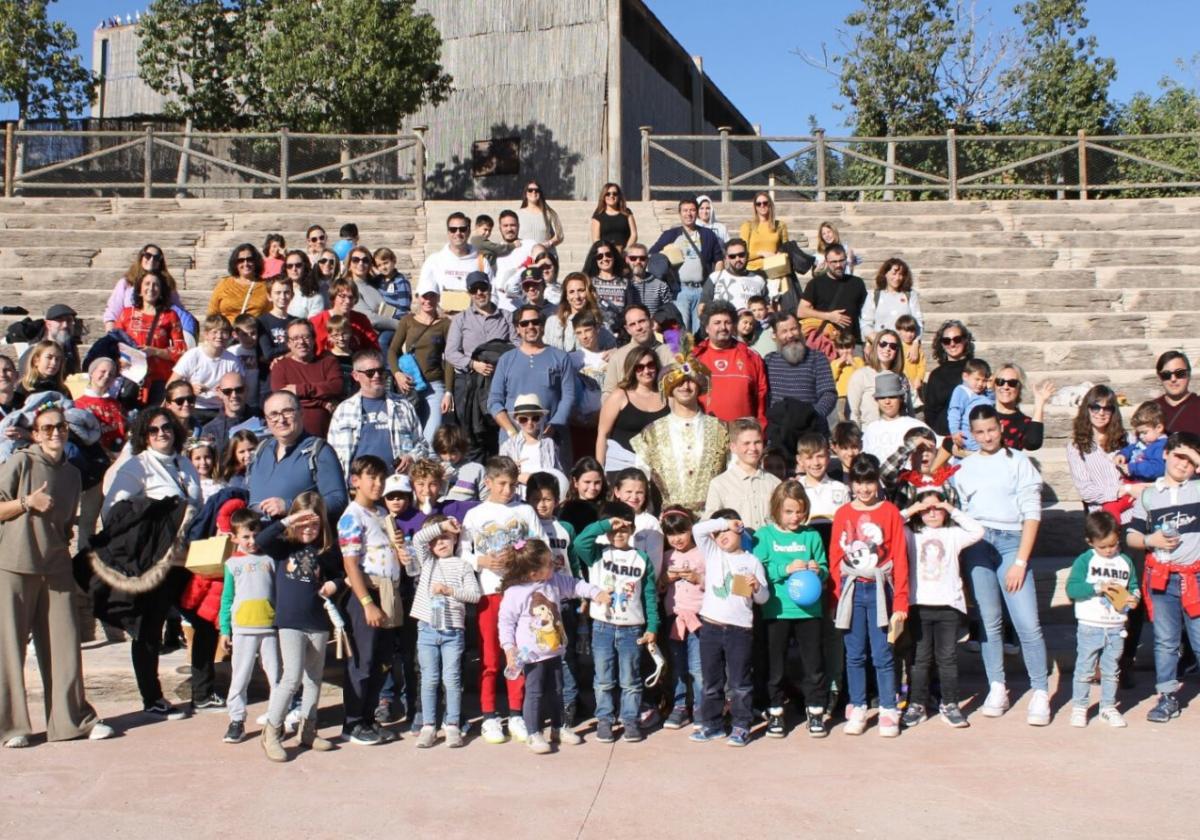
column 318, row 385
column 739, row 383
column 112, row 419
column 1184, row 417
column 876, row 533
column 168, row 335
column 365, row 336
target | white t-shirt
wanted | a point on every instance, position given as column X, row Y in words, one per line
column 446, row 273
column 737, row 290
column 204, row 372
column 489, row 527
column 882, row 438
column 508, row 274
column 934, row 579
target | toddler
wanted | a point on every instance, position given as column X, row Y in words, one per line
column 974, row 390
column 464, row 479
column 1142, row 460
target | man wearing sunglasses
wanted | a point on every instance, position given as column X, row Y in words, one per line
column 446, row 271
column 374, row 422
column 702, row 255
column 1180, row 406
column 235, row 414
column 533, row 368
column 648, row 286
column 733, row 282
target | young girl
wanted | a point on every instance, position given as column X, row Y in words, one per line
column 446, row 583
column 587, row 492
column 464, row 479
column 937, row 533
column 786, row 546
column 203, row 455
column 236, row 458
column 530, row 447
column 308, row 573
column 533, row 637
column 869, row 568
column 633, row 488
column 685, row 595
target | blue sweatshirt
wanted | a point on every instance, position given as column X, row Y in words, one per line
column 1146, row 461
column 959, row 411
column 1001, row 490
column 549, row 374
column 292, row 475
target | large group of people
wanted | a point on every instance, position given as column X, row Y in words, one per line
column 647, row 478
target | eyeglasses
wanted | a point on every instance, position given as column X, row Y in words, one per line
column 316, row 239
column 300, row 338
column 49, row 429
column 371, row 373
column 1174, row 373
column 296, row 265
column 182, row 401
column 282, row 414
column 762, row 204
column 651, row 366
column 360, row 260
column 635, row 258
column 1101, row 408
column 947, row 340
column 888, row 345
column 325, row 261
column 736, row 255
column 161, row 429
column 245, row 261
column 528, row 418
column 343, row 296
column 1008, row 383
column 229, row 392
column 530, row 322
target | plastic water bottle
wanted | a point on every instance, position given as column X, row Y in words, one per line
column 1170, row 530
column 514, row 671
column 406, row 443
column 438, row 618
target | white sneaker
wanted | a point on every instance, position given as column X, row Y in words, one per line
column 102, row 730
column 17, row 742
column 889, row 723
column 566, row 735
column 454, row 737
column 856, row 720
column 428, row 736
column 1079, row 716
column 492, row 731
column 1112, row 717
column 1038, row 713
column 996, row 703
column 517, row 730
column 261, row 720
column 537, row 743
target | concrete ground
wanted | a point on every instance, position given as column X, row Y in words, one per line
column 1000, row 778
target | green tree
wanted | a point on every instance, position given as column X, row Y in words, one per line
column 38, row 70
column 1176, row 110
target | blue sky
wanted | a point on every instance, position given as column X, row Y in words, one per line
column 747, row 48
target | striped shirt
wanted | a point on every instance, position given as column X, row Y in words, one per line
column 1096, row 477
column 453, row 571
column 651, row 293
column 811, row 381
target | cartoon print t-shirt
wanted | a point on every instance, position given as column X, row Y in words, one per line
column 620, row 571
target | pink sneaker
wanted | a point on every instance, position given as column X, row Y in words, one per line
column 889, row 723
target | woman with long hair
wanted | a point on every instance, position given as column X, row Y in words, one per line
column 1097, row 432
column 577, row 296
column 612, row 220
column 764, row 234
column 236, row 457
column 150, row 259
column 423, row 334
column 243, row 290
column 539, row 223
column 308, row 297
column 606, row 269
column 44, row 373
column 828, row 235
column 883, row 356
column 587, row 491
column 634, row 405
column 360, row 269
column 155, row 329
column 892, row 297
column 315, row 239
column 953, row 347
column 274, row 248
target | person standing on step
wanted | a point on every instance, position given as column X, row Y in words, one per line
column 448, row 271
column 702, row 255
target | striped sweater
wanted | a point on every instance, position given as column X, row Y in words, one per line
column 452, row 571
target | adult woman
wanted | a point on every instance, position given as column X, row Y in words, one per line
column 612, row 220
column 577, row 296
column 243, row 290
column 8, row 385
column 1097, row 432
column 827, row 235
column 150, row 259
column 539, row 223
column 1002, row 490
column 39, row 492
column 314, row 241
column 343, row 295
column 883, row 355
column 634, row 405
column 45, row 372
column 360, row 269
column 308, row 296
column 764, row 235
column 423, row 334
column 235, row 460
column 155, row 470
column 154, row 328
column 1017, row 429
column 686, row 449
column 892, row 297
column 274, row 248
column 180, row 400
column 953, row 346
column 706, row 216
column 606, row 269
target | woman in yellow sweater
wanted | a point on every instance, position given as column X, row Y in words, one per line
column 763, row 234
column 243, row 290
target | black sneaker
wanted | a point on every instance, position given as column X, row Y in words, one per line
column 633, row 733
column 775, row 727
column 363, row 735
column 386, row 736
column 1166, row 708
column 211, row 703
column 913, row 715
column 163, row 710
column 604, row 732
column 953, row 715
column 677, row 719
column 568, row 720
column 236, row 733
column 816, row 723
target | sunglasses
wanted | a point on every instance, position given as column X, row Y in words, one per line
column 457, row 228
column 245, row 260
column 149, row 256
column 290, row 266
column 762, row 204
column 1174, row 373
column 164, row 429
column 325, row 261
column 736, row 255
column 1101, row 407
column 48, row 429
column 636, row 258
column 394, row 497
column 612, row 194
column 229, row 392
column 604, row 255
column 947, row 340
column 181, row 401
column 530, row 322
column 316, row 239
column 646, row 366
column 528, row 418
column 360, row 260
column 1008, row 383
column 888, row 345
column 533, row 189
column 371, row 373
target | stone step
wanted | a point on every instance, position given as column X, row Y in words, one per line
column 1084, row 354
column 1003, row 277
column 130, row 239
column 346, row 209
column 1069, row 326
column 1155, row 278
column 55, row 206
column 125, row 221
column 1127, row 223
column 950, row 300
column 369, row 237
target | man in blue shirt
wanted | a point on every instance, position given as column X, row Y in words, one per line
column 291, row 462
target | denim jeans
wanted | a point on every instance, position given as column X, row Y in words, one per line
column 543, row 694
column 687, row 301
column 429, row 410
column 440, row 653
column 570, row 619
column 865, row 633
column 1097, row 643
column 987, row 562
column 685, row 667
column 1170, row 623
column 726, row 653
column 615, row 649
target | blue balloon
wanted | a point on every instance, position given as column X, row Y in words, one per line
column 804, row 588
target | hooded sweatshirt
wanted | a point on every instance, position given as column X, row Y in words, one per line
column 38, row 543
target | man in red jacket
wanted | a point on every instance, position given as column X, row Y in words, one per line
column 739, row 381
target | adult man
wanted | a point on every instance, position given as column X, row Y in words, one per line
column 446, row 271
column 59, row 327
column 649, row 290
column 510, row 264
column 292, row 462
column 884, row 436
column 235, row 414
column 794, row 371
column 533, row 290
column 481, row 322
column 316, row 380
column 732, row 282
column 739, row 383
column 533, row 368
column 374, row 422
column 702, row 256
column 835, row 296
column 640, row 328
column 1180, row 407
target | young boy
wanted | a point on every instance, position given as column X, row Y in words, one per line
column 744, row 483
column 247, row 618
column 375, row 611
column 914, row 369
column 761, row 311
column 846, row 440
column 246, row 348
column 734, row 579
column 1166, row 526
column 974, row 390
column 1142, row 460
column 589, row 360
column 272, row 340
column 341, row 347
column 843, row 367
column 489, row 531
column 203, row 366
column 1104, row 586
column 825, row 495
column 628, row 620
column 530, row 448
column 464, row 479
column 347, row 241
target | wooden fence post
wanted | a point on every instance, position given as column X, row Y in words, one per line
column 645, row 130
column 1082, row 165
column 419, row 163
column 10, row 148
column 889, row 173
column 952, row 162
column 148, row 161
column 726, row 192
column 819, row 140
column 285, row 153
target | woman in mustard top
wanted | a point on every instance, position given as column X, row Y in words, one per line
column 243, row 290
column 763, row 234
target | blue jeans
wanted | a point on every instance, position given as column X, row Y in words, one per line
column 865, row 633
column 570, row 619
column 685, row 666
column 440, row 653
column 385, row 342
column 1170, row 623
column 1097, row 643
column 616, row 649
column 987, row 562
column 687, row 301
column 429, row 410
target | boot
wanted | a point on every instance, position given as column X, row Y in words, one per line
column 310, row 739
column 271, row 743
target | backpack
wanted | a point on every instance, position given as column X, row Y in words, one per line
column 311, row 447
column 25, row 331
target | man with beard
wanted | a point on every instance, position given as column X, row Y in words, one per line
column 833, row 296
column 739, row 384
column 794, row 371
column 733, row 283
column 59, row 327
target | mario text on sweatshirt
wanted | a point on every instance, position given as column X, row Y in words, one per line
column 489, row 528
column 530, row 617
column 720, row 567
column 626, row 573
column 1090, row 573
